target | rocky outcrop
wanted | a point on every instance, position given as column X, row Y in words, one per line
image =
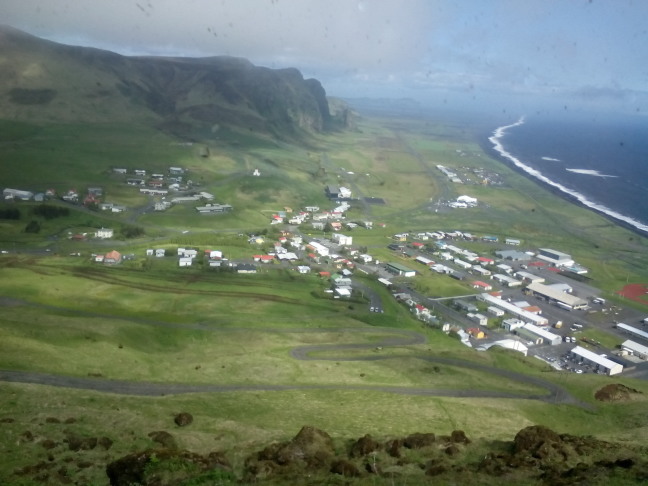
column 164, row 467
column 310, row 449
column 536, row 455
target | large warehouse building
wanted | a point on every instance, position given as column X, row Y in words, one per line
column 636, row 349
column 555, row 295
column 633, row 331
column 547, row 336
column 608, row 366
column 556, row 257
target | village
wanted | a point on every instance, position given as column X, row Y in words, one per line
column 533, row 301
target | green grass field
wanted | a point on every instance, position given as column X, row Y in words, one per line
column 149, row 334
column 150, row 321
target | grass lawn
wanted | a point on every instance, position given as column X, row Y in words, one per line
column 150, row 321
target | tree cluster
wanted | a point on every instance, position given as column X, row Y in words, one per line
column 10, row 213
column 49, row 211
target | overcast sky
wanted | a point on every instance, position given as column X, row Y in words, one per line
column 397, row 48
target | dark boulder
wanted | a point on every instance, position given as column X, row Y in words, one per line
column 163, row 438
column 76, row 443
column 459, row 437
column 152, row 467
column 363, row 446
column 530, row 439
column 393, row 447
column 345, row 468
column 452, row 450
column 310, row 450
column 183, row 419
column 419, row 440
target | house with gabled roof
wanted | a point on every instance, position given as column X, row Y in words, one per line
column 185, row 261
column 482, row 286
column 112, row 257
column 263, row 258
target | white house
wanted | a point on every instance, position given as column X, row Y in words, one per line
column 185, row 261
column 512, row 324
column 104, row 233
column 365, row 258
column 342, row 240
column 187, row 253
column 496, row 311
column 480, row 319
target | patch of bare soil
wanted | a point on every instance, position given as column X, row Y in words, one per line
column 615, row 392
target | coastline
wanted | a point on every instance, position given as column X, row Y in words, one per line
column 571, row 196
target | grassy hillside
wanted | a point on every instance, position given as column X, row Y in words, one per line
column 193, row 98
column 151, row 323
column 205, row 329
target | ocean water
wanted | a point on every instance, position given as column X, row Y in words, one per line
column 600, row 161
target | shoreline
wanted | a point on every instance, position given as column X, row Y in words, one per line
column 497, row 148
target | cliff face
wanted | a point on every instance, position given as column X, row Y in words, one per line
column 43, row 80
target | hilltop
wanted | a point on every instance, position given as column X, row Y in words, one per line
column 191, row 97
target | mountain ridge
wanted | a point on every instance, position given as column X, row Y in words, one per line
column 42, row 80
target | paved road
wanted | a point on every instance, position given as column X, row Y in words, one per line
column 391, row 338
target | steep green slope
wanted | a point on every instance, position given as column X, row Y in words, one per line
column 45, row 81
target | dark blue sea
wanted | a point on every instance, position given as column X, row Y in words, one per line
column 600, row 161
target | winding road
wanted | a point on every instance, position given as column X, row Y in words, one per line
column 392, row 338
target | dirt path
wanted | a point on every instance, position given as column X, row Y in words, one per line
column 392, row 338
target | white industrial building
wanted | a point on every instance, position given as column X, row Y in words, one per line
column 529, row 277
column 424, row 261
column 514, row 310
column 461, row 263
column 319, row 248
column 551, row 293
column 481, row 271
column 10, row 194
column 508, row 269
column 506, row 343
column 547, row 336
column 635, row 349
column 608, row 366
column 633, row 331
column 506, row 280
column 556, row 257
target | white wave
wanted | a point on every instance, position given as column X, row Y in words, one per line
column 496, row 138
column 590, row 172
column 551, row 159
